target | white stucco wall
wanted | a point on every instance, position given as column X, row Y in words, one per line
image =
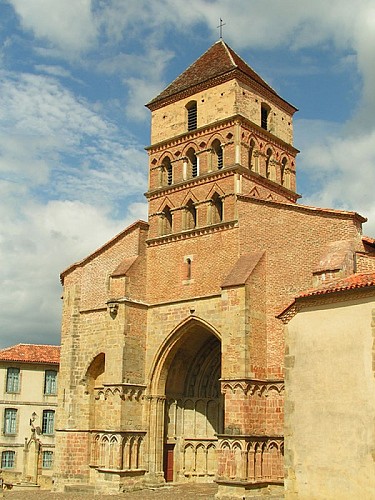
column 30, row 398
column 330, row 402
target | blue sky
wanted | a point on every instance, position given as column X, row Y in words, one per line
column 74, row 78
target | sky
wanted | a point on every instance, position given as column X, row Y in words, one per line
column 74, row 78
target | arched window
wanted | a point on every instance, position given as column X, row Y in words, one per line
column 167, row 221
column 188, row 268
column 104, row 452
column 217, row 209
column 192, row 115
column 167, row 171
column 113, row 453
column 264, row 112
column 193, row 160
column 218, row 151
column 251, row 154
column 191, row 215
column 268, row 163
column 94, row 377
column 283, row 171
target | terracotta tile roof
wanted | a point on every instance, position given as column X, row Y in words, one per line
column 31, row 353
column 242, row 269
column 124, row 266
column 368, row 240
column 351, row 282
column 218, row 61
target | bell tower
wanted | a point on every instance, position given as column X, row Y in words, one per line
column 217, row 131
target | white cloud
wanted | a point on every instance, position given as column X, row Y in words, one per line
column 69, row 27
column 139, row 92
column 339, row 167
column 142, row 76
column 65, row 173
column 35, row 247
column 50, row 136
column 54, row 70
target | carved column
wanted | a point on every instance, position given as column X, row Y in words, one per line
column 156, row 436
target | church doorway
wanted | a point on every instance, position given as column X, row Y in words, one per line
column 193, row 414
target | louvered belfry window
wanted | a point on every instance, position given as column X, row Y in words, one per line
column 264, row 111
column 192, row 115
column 169, row 174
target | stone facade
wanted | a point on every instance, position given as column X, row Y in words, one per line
column 172, row 355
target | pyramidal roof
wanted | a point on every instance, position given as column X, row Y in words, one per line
column 220, row 63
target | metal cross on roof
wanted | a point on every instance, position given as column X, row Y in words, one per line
column 221, row 28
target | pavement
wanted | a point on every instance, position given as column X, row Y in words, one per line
column 171, row 492
column 176, row 492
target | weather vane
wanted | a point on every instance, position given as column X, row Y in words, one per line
column 221, row 28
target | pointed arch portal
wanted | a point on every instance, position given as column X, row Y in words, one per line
column 189, row 376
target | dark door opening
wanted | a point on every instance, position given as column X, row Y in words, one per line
column 168, row 462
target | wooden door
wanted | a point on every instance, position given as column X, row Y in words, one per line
column 168, row 462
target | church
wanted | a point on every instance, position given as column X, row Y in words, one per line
column 173, row 332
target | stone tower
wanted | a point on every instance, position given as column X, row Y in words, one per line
column 218, row 125
column 172, row 356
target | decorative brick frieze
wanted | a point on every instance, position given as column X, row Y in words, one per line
column 252, row 387
column 131, row 392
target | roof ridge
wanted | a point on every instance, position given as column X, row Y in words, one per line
column 184, row 71
column 28, row 344
column 227, row 48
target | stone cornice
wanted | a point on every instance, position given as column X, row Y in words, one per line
column 267, row 183
column 218, row 125
column 268, row 136
column 193, row 181
column 220, row 174
column 192, row 134
column 192, row 233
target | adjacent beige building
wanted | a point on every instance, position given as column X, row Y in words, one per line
column 28, row 400
column 330, row 392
